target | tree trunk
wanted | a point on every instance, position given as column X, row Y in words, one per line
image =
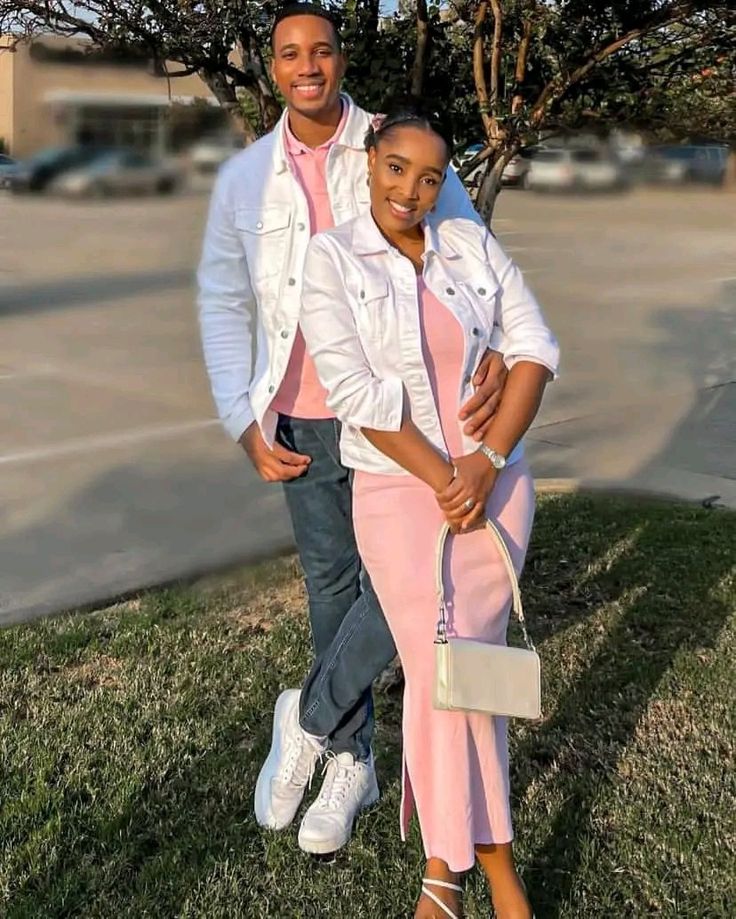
column 491, row 186
column 224, row 91
column 729, row 179
column 422, row 46
column 262, row 91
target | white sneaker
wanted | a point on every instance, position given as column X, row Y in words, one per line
column 349, row 786
column 289, row 767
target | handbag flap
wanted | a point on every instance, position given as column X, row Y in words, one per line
column 490, row 678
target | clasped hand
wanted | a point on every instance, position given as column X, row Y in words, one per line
column 463, row 500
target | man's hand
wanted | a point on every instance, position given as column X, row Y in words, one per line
column 489, row 380
column 272, row 465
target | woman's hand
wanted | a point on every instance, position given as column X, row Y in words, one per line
column 463, row 501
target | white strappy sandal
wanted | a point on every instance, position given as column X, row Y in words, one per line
column 435, row 899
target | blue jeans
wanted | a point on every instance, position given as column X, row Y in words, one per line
column 352, row 642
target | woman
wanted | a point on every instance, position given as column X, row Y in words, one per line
column 397, row 311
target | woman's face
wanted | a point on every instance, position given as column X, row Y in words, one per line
column 407, row 169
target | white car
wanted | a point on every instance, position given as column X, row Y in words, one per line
column 568, row 170
column 209, row 153
column 517, row 169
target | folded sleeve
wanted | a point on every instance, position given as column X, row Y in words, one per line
column 355, row 392
column 524, row 333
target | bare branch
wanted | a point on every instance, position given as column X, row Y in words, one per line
column 496, row 52
column 481, row 88
column 420, row 52
column 521, row 61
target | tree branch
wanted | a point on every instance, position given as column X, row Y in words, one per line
column 496, row 53
column 481, row 88
column 521, row 60
column 557, row 88
column 420, row 51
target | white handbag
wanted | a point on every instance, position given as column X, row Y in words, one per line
column 476, row 676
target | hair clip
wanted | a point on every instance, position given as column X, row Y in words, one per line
column 377, row 122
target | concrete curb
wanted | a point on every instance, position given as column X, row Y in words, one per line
column 91, row 600
column 545, row 486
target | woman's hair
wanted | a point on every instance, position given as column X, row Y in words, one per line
column 413, row 113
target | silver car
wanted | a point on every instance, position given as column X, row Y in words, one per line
column 517, row 169
column 117, row 172
column 570, row 170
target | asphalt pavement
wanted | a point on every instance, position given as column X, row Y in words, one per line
column 115, row 475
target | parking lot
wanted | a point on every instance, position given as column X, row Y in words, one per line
column 114, row 474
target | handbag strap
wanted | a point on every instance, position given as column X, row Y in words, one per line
column 509, row 566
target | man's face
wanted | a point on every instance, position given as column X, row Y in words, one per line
column 307, row 66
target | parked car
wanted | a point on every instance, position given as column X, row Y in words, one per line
column 569, row 170
column 8, row 167
column 678, row 164
column 209, row 153
column 516, row 172
column 461, row 159
column 36, row 173
column 117, row 172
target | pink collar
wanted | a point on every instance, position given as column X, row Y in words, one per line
column 294, row 146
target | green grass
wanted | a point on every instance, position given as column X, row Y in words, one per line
column 130, row 740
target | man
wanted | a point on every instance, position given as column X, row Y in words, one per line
column 307, row 175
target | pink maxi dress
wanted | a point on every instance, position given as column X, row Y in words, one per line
column 456, row 770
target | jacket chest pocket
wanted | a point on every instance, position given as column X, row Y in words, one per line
column 264, row 232
column 481, row 294
column 373, row 311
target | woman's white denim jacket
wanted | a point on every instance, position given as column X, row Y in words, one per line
column 360, row 318
column 250, row 273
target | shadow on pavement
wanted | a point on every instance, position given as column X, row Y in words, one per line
column 92, row 290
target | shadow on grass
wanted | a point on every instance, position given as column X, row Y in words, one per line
column 185, row 843
column 662, row 582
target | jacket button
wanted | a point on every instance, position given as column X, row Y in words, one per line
column 259, row 225
column 476, row 331
column 467, row 380
column 482, row 291
column 362, row 295
column 292, row 282
column 451, row 291
column 300, row 226
column 271, row 388
column 284, row 333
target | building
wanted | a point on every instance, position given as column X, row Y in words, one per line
column 56, row 91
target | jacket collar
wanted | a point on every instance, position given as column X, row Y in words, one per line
column 368, row 239
column 352, row 136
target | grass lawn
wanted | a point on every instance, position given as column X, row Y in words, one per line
column 130, row 740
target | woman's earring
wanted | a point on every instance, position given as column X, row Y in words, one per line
column 368, row 180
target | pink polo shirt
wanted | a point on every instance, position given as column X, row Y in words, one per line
column 301, row 394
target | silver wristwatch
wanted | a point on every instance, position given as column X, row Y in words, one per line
column 495, row 459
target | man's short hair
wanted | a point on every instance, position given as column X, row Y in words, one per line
column 308, row 9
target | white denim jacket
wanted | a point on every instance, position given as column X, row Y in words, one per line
column 250, row 274
column 360, row 319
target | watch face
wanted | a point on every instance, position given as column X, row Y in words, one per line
column 499, row 461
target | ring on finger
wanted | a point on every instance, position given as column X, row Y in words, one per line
column 469, row 504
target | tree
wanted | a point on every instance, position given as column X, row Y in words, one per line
column 540, row 64
column 518, row 68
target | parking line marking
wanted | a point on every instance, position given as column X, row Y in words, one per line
column 531, row 249
column 23, row 374
column 106, row 441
